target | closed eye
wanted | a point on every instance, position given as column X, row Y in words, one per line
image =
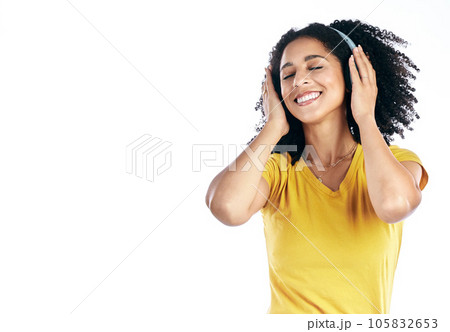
column 313, row 68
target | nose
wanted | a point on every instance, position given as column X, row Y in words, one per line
column 301, row 78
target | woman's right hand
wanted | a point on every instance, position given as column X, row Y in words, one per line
column 273, row 110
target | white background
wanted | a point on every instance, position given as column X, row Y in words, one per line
column 82, row 79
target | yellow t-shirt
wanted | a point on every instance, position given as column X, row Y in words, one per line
column 328, row 252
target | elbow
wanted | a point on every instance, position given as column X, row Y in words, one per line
column 227, row 214
column 398, row 208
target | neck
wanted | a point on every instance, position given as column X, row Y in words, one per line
column 331, row 138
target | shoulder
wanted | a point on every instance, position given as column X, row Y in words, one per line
column 411, row 161
column 402, row 154
column 279, row 160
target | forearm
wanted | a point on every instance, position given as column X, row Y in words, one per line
column 234, row 186
column 392, row 188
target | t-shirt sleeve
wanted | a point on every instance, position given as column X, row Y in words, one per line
column 275, row 173
column 407, row 155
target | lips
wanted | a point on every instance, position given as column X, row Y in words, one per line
column 309, row 101
column 305, row 93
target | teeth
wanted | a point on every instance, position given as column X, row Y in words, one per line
column 308, row 97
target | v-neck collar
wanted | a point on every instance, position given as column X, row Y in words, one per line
column 345, row 182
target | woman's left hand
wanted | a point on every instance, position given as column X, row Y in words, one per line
column 364, row 87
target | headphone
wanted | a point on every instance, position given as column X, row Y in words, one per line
column 351, row 44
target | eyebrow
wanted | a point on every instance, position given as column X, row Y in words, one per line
column 307, row 58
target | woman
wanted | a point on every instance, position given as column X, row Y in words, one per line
column 333, row 192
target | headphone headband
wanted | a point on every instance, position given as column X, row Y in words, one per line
column 347, row 39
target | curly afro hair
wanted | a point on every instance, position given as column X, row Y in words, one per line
column 394, row 109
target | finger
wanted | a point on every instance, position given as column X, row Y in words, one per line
column 367, row 65
column 269, row 79
column 372, row 70
column 363, row 61
column 362, row 66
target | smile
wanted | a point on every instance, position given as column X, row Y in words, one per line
column 309, row 99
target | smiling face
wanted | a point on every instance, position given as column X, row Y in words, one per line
column 303, row 63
